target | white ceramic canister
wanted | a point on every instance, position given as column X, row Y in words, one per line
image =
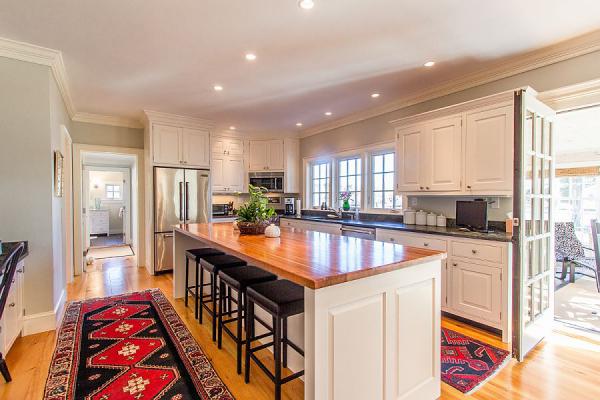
column 409, row 217
column 272, row 231
column 441, row 221
column 431, row 219
column 421, row 218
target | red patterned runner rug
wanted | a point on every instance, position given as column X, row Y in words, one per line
column 131, row 347
column 467, row 363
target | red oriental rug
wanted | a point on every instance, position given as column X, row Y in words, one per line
column 467, row 363
column 131, row 347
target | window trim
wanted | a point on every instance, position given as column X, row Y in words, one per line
column 353, row 156
column 113, row 186
column 379, row 152
column 309, row 185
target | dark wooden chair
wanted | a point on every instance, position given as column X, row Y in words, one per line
column 7, row 274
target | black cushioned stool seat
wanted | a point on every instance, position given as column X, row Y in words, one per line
column 238, row 279
column 214, row 264
column 281, row 299
column 196, row 255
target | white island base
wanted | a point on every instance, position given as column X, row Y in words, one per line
column 372, row 338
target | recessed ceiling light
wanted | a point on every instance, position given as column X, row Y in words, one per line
column 232, row 128
column 429, row 64
column 218, row 88
column 328, row 113
column 375, row 95
column 250, row 56
column 306, row 4
column 298, row 123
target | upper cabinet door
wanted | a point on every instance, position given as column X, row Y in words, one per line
column 217, row 173
column 489, row 150
column 235, row 174
column 218, row 145
column 276, row 155
column 408, row 156
column 196, row 147
column 442, row 156
column 258, row 157
column 235, row 147
column 166, row 144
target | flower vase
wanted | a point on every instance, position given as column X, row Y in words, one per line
column 346, row 205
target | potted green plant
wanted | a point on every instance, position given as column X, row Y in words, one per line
column 255, row 215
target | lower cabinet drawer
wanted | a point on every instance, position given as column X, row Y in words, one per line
column 413, row 240
column 477, row 251
column 476, row 290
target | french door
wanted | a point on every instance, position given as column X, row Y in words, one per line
column 533, row 257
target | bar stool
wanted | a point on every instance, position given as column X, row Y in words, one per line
column 281, row 299
column 213, row 264
column 196, row 255
column 238, row 279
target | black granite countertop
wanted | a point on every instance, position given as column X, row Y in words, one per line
column 399, row 226
column 7, row 247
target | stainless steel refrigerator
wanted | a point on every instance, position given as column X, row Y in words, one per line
column 180, row 196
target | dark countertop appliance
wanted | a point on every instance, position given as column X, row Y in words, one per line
column 472, row 215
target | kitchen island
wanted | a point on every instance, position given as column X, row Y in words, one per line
column 371, row 327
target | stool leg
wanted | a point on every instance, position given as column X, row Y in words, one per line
column 285, row 345
column 196, row 291
column 201, row 271
column 213, row 287
column 229, row 301
column 277, row 355
column 249, row 336
column 239, row 331
column 220, row 313
column 187, row 274
column 4, row 369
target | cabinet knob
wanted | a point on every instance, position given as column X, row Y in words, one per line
column 468, row 186
column 426, row 244
column 427, row 187
column 392, row 240
column 454, row 264
column 421, row 187
column 474, row 251
column 11, row 305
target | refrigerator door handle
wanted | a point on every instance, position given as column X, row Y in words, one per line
column 187, row 201
column 181, row 216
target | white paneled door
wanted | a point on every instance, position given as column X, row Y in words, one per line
column 533, row 195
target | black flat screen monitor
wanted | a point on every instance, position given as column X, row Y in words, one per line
column 472, row 214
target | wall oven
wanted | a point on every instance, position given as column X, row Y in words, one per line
column 272, row 181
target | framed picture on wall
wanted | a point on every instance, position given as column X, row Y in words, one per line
column 58, row 174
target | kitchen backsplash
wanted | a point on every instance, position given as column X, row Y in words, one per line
column 446, row 205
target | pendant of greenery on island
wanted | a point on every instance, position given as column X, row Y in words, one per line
column 255, row 215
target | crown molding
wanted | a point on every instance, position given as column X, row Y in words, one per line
column 111, row 120
column 561, row 51
column 571, row 97
column 44, row 56
column 179, row 120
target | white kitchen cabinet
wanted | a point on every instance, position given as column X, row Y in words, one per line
column 11, row 324
column 166, row 144
column 291, row 152
column 489, row 149
column 303, row 225
column 172, row 145
column 408, row 157
column 475, row 277
column 266, row 155
column 430, row 156
column 476, row 291
column 227, row 173
column 227, row 146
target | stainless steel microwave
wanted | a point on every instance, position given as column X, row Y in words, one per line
column 272, row 181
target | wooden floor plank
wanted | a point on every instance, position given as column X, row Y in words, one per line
column 564, row 367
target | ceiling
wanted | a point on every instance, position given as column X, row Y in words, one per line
column 122, row 57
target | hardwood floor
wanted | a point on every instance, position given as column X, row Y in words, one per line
column 564, row 367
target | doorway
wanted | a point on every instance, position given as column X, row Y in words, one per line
column 108, row 201
column 107, row 205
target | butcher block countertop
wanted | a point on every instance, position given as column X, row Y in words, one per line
column 311, row 259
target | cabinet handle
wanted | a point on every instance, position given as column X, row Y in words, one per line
column 11, row 304
column 421, row 187
column 468, row 186
column 427, row 187
column 426, row 244
column 454, row 264
column 474, row 251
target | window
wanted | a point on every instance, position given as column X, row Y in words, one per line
column 320, row 183
column 349, row 179
column 113, row 192
column 578, row 201
column 382, row 183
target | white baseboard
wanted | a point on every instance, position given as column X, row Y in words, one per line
column 46, row 321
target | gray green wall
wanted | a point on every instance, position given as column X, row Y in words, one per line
column 105, row 135
column 30, row 112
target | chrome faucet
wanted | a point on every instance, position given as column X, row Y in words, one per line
column 338, row 212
